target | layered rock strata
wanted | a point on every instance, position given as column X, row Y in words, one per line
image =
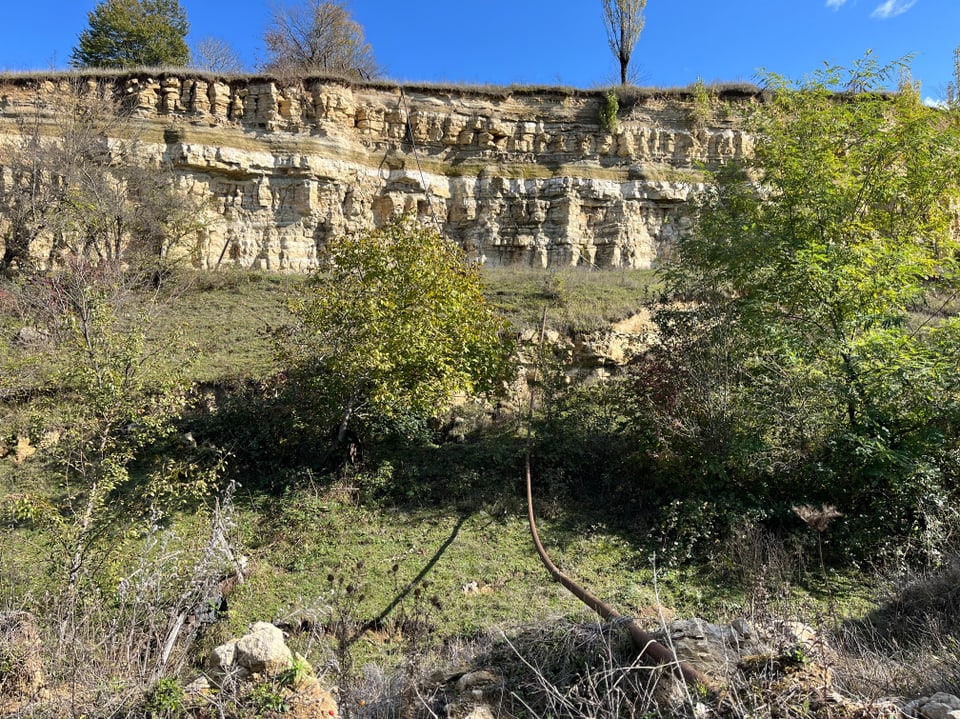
column 515, row 175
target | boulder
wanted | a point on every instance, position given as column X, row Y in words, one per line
column 714, row 649
column 475, row 693
column 937, row 706
column 263, row 650
column 262, row 657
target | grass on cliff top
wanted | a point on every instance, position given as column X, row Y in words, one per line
column 630, row 95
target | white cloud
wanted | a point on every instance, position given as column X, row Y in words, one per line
column 891, row 8
column 934, row 102
column 835, row 4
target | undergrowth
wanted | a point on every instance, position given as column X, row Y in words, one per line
column 416, row 561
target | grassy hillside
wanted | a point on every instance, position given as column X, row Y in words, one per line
column 422, row 548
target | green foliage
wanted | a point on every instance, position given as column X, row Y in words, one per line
column 587, row 438
column 293, row 676
column 392, row 327
column 120, row 392
column 807, row 375
column 267, row 698
column 134, row 33
column 609, row 107
column 165, row 699
column 701, row 108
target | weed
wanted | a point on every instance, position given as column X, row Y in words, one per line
column 292, row 676
column 165, row 699
column 267, row 698
column 609, row 107
column 555, row 289
column 701, row 106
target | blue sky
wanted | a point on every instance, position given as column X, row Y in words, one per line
column 560, row 42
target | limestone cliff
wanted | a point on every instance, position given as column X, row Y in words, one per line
column 516, row 175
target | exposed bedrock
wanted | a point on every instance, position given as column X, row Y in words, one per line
column 515, row 175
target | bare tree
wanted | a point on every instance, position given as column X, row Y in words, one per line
column 623, row 20
column 213, row 54
column 318, row 37
column 55, row 172
column 29, row 192
column 74, row 180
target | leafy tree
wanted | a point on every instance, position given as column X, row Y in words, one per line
column 120, row 387
column 393, row 326
column 623, row 20
column 816, row 363
column 133, row 33
column 317, row 37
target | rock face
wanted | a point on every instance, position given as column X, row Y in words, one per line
column 514, row 175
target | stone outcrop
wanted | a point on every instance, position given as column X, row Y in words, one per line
column 514, row 175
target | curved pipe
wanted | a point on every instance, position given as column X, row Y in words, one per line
column 643, row 641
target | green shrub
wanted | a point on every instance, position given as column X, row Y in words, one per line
column 701, row 108
column 609, row 107
column 165, row 699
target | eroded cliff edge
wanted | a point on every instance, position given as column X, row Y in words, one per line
column 515, row 175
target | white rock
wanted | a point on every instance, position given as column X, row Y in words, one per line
column 222, row 657
column 263, row 650
column 275, row 164
column 200, row 685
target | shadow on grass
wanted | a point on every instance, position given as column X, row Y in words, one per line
column 411, row 586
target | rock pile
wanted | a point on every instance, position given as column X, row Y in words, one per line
column 938, row 706
column 260, row 667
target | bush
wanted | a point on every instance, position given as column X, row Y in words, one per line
column 165, row 699
column 609, row 107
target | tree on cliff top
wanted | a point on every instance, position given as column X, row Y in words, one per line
column 623, row 20
column 317, row 37
column 392, row 326
column 133, row 33
column 214, row 54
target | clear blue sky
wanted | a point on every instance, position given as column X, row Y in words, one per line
column 551, row 42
